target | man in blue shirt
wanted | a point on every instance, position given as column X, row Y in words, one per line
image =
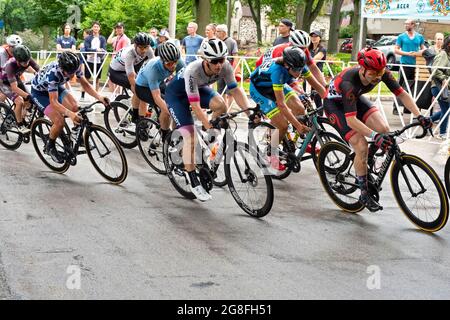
column 410, row 45
column 192, row 42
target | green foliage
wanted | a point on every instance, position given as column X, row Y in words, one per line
column 346, row 32
column 335, row 67
column 31, row 39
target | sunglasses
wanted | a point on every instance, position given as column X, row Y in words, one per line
column 216, row 61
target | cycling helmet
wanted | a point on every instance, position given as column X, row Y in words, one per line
column 294, row 57
column 213, row 49
column 167, row 51
column 14, row 40
column 69, row 62
column 372, row 59
column 21, row 53
column 300, row 38
column 142, row 39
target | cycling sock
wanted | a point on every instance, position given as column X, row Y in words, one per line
column 135, row 115
column 51, row 143
column 164, row 133
column 82, row 94
column 363, row 185
column 194, row 180
column 19, row 124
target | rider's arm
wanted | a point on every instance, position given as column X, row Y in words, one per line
column 318, row 75
column 17, row 90
column 88, row 88
column 281, row 104
column 316, row 85
column 241, row 98
column 156, row 94
column 409, row 103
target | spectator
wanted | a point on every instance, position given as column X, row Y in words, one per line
column 222, row 34
column 410, row 45
column 86, row 34
column 118, row 39
column 284, row 28
column 154, row 34
column 191, row 43
column 319, row 53
column 95, row 44
column 163, row 36
column 66, row 42
column 440, row 82
column 433, row 50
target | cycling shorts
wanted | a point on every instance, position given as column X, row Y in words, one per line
column 265, row 98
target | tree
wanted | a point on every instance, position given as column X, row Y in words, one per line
column 312, row 10
column 335, row 22
column 203, row 13
column 355, row 23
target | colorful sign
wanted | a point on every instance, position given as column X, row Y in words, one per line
column 404, row 9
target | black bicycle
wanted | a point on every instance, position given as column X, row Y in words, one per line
column 245, row 173
column 417, row 188
column 102, row 148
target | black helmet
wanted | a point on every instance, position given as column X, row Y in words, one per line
column 294, row 57
column 142, row 39
column 21, row 53
column 168, row 51
column 69, row 62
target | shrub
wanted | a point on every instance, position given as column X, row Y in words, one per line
column 31, row 39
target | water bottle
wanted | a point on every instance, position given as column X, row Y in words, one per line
column 379, row 160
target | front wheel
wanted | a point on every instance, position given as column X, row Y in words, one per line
column 117, row 119
column 10, row 137
column 106, row 154
column 150, row 144
column 419, row 193
column 248, row 180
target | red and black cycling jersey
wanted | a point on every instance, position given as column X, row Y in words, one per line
column 347, row 87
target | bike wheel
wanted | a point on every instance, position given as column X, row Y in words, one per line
column 248, row 181
column 419, row 193
column 320, row 140
column 447, row 176
column 40, row 131
column 260, row 139
column 106, row 154
column 10, row 137
column 338, row 176
column 173, row 162
column 150, row 144
column 117, row 119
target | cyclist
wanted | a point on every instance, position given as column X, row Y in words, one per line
column 273, row 86
column 12, row 86
column 302, row 40
column 47, row 90
column 151, row 77
column 190, row 88
column 356, row 118
column 6, row 53
column 128, row 61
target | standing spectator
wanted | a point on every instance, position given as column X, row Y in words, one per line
column 440, row 81
column 433, row 50
column 118, row 39
column 284, row 28
column 319, row 53
column 222, row 34
column 95, row 43
column 86, row 34
column 210, row 32
column 66, row 42
column 154, row 34
column 191, row 43
column 410, row 45
column 163, row 36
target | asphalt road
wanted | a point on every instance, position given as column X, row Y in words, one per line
column 74, row 236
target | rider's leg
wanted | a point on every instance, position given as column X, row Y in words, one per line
column 19, row 106
column 296, row 106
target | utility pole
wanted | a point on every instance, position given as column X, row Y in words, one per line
column 172, row 18
column 229, row 13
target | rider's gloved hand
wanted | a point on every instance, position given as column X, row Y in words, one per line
column 104, row 100
column 425, row 122
column 383, row 141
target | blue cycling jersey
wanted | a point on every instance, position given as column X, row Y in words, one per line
column 272, row 74
column 153, row 73
column 50, row 77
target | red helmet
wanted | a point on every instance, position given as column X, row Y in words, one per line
column 372, row 59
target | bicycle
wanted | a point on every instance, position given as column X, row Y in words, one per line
column 244, row 170
column 102, row 148
column 292, row 149
column 415, row 185
column 10, row 136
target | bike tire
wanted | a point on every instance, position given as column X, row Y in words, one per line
column 447, row 176
column 338, row 182
column 407, row 162
column 100, row 148
column 126, row 131
column 10, row 137
column 39, row 135
column 150, row 144
column 254, row 174
column 321, row 139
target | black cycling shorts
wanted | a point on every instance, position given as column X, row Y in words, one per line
column 119, row 77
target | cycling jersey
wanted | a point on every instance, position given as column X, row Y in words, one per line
column 12, row 71
column 153, row 73
column 127, row 58
column 190, row 85
column 277, row 52
column 4, row 55
column 50, row 77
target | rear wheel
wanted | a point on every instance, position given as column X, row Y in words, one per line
column 117, row 119
column 10, row 137
column 150, row 144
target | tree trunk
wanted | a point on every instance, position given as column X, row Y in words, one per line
column 255, row 9
column 311, row 13
column 299, row 15
column 203, row 15
column 46, row 34
column 356, row 24
column 334, row 26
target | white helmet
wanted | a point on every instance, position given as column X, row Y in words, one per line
column 14, row 40
column 213, row 49
column 300, row 38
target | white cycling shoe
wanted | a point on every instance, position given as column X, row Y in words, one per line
column 200, row 193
